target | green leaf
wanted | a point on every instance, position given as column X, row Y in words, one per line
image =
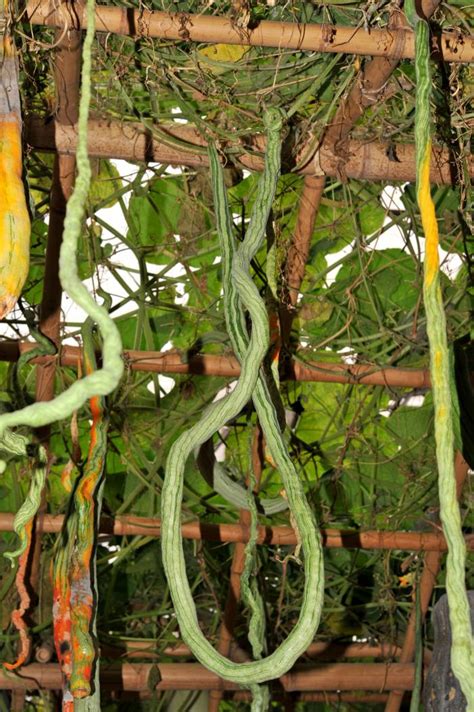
column 410, row 424
column 376, row 290
column 154, row 219
column 371, row 217
column 334, row 227
column 105, row 185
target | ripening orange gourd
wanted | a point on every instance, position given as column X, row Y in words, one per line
column 15, row 225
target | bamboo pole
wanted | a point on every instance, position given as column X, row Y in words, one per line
column 431, row 567
column 187, row 27
column 298, row 252
column 367, row 89
column 193, row 676
column 128, row 525
column 66, row 71
column 337, row 698
column 228, row 366
column 67, row 78
column 131, row 141
column 321, row 650
column 371, row 698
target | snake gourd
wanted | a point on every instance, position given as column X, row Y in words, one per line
column 17, row 616
column 74, row 571
column 251, row 351
column 238, row 496
column 462, row 650
column 105, row 379
column 219, row 478
column 252, row 597
column 62, row 604
column 88, row 502
column 17, row 445
column 98, row 383
column 14, row 216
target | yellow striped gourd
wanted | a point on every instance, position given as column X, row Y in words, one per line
column 14, row 217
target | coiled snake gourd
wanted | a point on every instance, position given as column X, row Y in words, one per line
column 251, row 349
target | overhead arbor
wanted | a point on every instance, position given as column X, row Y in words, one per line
column 339, row 265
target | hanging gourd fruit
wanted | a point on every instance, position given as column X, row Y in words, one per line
column 462, row 647
column 241, row 294
column 14, row 217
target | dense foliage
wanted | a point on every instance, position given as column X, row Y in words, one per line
column 365, row 453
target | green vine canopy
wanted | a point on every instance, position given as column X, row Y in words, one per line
column 192, row 252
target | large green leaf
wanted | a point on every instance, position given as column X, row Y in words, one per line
column 153, row 219
column 106, row 184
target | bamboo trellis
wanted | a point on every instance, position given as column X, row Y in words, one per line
column 399, row 43
column 133, row 142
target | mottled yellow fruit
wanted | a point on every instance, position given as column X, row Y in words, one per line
column 15, row 227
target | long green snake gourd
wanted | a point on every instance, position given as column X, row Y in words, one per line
column 241, row 293
column 219, row 478
column 98, row 383
column 462, row 649
column 252, row 597
column 103, row 381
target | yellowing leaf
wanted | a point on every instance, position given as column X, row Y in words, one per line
column 223, row 53
column 407, row 580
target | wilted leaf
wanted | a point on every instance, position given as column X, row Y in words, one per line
column 222, row 53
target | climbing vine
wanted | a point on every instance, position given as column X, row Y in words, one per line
column 105, row 379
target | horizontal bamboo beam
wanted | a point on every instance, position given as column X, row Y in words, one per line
column 374, row 698
column 228, row 366
column 371, row 698
column 187, row 27
column 128, row 525
column 322, row 650
column 193, row 676
column 375, row 161
column 327, row 650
